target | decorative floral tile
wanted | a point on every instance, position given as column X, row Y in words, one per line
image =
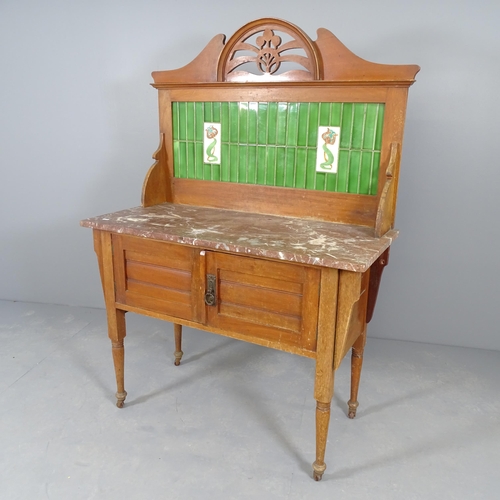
column 211, row 143
column 327, row 155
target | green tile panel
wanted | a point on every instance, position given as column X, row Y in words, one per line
column 274, row 144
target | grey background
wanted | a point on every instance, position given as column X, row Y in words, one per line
column 78, row 125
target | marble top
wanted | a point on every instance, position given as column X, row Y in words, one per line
column 306, row 241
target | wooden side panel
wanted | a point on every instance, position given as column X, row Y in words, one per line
column 351, row 312
column 264, row 299
column 157, row 276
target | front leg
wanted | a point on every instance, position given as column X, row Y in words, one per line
column 116, row 330
column 103, row 245
column 323, row 384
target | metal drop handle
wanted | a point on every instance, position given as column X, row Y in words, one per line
column 210, row 298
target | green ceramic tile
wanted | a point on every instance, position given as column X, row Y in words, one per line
column 261, row 164
column 206, row 172
column 272, row 118
column 354, row 171
column 375, row 174
column 289, row 167
column 262, row 123
column 252, row 164
column 198, row 158
column 331, row 182
column 224, row 121
column 365, row 171
column 280, row 166
column 380, row 125
column 243, row 123
column 370, row 126
column 242, row 164
column 270, row 165
column 342, row 171
column 233, row 122
column 312, row 136
column 183, row 164
column 336, row 112
column 321, row 181
column 300, row 168
column 302, row 132
column 190, row 122
column 358, row 125
column 282, row 123
column 216, row 112
column 208, row 112
column 324, row 114
column 224, row 162
column 178, row 172
column 293, row 124
column 175, row 120
column 310, row 168
column 182, row 121
column 346, row 125
column 253, row 109
column 233, row 162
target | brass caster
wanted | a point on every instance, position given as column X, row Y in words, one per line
column 318, row 471
column 178, row 357
column 352, row 409
column 120, row 399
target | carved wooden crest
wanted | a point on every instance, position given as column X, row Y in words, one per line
column 260, row 49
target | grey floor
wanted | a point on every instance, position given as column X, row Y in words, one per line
column 234, row 420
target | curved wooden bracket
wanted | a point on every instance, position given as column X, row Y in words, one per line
column 156, row 188
column 385, row 217
column 376, row 271
column 350, row 312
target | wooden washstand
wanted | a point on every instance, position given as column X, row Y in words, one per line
column 269, row 212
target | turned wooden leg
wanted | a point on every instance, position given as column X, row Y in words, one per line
column 178, row 341
column 322, row 423
column 118, row 360
column 356, row 365
column 116, row 331
column 324, row 380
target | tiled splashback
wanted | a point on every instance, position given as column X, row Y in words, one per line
column 280, row 144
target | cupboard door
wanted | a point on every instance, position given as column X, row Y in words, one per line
column 265, row 299
column 158, row 276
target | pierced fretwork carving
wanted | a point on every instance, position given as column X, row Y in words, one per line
column 260, row 43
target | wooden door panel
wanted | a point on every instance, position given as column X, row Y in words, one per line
column 158, row 276
column 269, row 300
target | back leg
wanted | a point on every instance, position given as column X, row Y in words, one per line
column 356, row 365
column 178, row 341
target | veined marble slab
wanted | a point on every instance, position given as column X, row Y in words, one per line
column 306, row 241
